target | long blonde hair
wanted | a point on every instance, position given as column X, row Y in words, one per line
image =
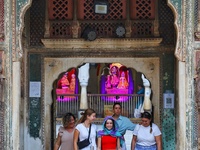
column 87, row 112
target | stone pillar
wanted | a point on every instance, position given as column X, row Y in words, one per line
column 83, row 76
column 47, row 23
column 181, row 107
column 83, row 104
column 156, row 21
column 16, row 99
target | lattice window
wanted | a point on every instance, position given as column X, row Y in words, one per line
column 60, row 9
column 1, row 20
column 166, row 23
column 142, row 29
column 102, row 29
column 196, row 10
column 142, row 13
column 142, row 9
column 116, row 11
column 59, row 29
column 37, row 22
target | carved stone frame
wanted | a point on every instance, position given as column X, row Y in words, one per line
column 46, row 59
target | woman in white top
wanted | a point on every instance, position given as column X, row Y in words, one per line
column 147, row 135
column 82, row 130
column 64, row 140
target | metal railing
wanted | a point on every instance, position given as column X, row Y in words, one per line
column 101, row 103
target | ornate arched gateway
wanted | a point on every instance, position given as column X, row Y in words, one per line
column 33, row 41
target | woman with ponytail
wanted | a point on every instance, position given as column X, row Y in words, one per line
column 147, row 135
column 85, row 129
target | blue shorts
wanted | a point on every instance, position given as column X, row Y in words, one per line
column 140, row 147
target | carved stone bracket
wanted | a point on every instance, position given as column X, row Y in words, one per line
column 76, row 29
column 1, row 36
column 197, row 36
column 128, row 28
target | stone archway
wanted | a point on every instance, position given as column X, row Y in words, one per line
column 149, row 66
column 46, row 141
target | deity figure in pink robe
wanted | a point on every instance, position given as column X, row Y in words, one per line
column 64, row 81
column 114, row 77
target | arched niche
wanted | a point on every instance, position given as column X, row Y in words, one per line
column 67, row 82
column 150, row 67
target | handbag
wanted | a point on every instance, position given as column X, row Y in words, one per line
column 84, row 143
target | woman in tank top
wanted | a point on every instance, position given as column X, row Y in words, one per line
column 64, row 140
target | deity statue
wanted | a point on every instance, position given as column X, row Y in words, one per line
column 123, row 83
column 108, row 84
column 64, row 81
column 72, row 82
column 114, row 77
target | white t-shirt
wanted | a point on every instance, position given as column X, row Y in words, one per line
column 84, row 135
column 144, row 137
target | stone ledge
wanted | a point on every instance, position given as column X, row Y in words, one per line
column 100, row 120
column 102, row 43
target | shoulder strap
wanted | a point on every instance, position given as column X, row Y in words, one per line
column 89, row 131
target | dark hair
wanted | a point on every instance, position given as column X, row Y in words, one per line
column 148, row 116
column 87, row 112
column 117, row 103
column 141, row 85
column 66, row 118
column 112, row 122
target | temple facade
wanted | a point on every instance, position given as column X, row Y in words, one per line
column 43, row 41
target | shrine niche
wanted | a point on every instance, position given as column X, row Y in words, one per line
column 67, row 84
column 117, row 80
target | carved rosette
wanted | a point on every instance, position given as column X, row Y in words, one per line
column 128, row 29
